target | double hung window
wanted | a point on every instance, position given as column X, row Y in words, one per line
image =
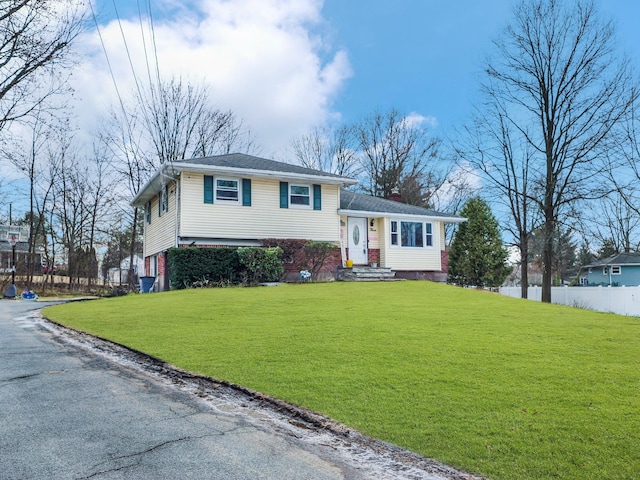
column 227, row 190
column 299, row 195
column 163, row 200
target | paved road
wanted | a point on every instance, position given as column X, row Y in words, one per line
column 69, row 411
column 67, row 414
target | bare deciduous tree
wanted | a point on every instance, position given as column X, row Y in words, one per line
column 170, row 120
column 35, row 37
column 393, row 147
column 171, row 112
column 615, row 220
column 220, row 133
column 487, row 147
column 562, row 89
column 329, row 150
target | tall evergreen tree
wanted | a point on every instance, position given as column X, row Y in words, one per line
column 477, row 256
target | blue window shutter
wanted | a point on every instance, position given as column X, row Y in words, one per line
column 208, row 189
column 317, row 197
column 160, row 203
column 246, row 192
column 284, row 194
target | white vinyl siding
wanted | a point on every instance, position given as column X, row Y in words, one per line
column 410, row 258
column 374, row 232
column 160, row 233
column 263, row 219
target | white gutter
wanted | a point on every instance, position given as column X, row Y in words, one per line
column 362, row 213
column 177, row 206
column 234, row 171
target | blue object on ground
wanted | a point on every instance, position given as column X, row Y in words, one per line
column 146, row 284
column 11, row 292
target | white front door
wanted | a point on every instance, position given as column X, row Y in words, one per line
column 357, row 240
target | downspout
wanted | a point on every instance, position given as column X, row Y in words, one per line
column 178, row 205
column 343, row 252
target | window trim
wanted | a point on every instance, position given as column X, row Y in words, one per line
column 428, row 235
column 393, row 232
column 309, row 188
column 428, row 240
column 614, row 268
column 223, row 200
column 163, row 200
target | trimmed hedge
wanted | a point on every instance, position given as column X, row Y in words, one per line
column 190, row 267
column 199, row 267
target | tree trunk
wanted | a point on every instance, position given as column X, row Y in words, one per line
column 547, row 257
column 524, row 266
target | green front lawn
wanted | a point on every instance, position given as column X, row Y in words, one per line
column 501, row 387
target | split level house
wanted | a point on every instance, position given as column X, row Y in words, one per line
column 239, row 200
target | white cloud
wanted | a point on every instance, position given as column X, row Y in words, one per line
column 417, row 120
column 266, row 60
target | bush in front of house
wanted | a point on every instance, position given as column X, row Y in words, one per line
column 261, row 264
column 297, row 255
column 317, row 254
column 203, row 266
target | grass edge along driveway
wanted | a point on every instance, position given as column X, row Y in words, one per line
column 502, row 387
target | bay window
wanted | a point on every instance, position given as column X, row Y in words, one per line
column 411, row 234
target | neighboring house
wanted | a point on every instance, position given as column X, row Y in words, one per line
column 238, row 200
column 617, row 270
column 119, row 275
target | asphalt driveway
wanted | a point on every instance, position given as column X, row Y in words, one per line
column 70, row 413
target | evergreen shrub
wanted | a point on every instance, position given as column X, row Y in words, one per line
column 189, row 266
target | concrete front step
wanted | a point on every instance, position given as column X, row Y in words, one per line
column 365, row 274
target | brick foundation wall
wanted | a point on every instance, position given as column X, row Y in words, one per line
column 440, row 277
column 161, row 263
column 444, row 260
column 293, row 266
column 373, row 255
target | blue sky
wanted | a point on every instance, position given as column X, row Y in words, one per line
column 425, row 55
column 346, row 57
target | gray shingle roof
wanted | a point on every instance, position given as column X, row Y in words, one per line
column 241, row 160
column 366, row 203
column 617, row 259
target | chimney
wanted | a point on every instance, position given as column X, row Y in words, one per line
column 395, row 195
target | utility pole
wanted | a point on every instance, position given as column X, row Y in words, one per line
column 12, row 238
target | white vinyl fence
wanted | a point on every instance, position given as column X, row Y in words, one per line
column 621, row 300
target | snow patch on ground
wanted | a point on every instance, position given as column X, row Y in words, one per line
column 370, row 457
